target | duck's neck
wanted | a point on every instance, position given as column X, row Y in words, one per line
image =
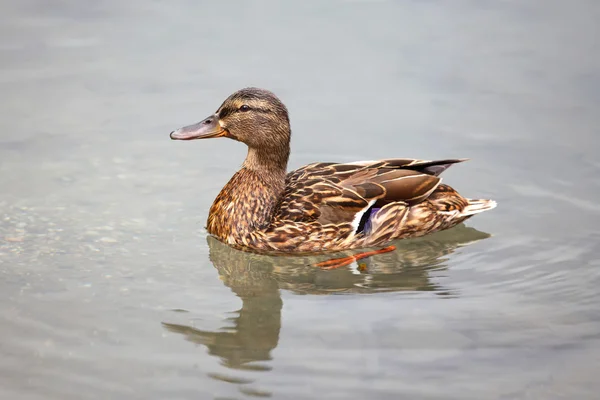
column 249, row 199
column 268, row 163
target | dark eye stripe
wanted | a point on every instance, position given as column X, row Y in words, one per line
column 262, row 110
column 227, row 111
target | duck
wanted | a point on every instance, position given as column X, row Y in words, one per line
column 324, row 206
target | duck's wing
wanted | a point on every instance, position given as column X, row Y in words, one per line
column 333, row 193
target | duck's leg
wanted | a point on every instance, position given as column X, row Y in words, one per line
column 343, row 261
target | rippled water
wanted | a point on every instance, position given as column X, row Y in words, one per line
column 110, row 287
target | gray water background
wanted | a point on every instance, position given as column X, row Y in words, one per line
column 109, row 287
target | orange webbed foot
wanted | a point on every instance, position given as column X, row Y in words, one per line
column 335, row 263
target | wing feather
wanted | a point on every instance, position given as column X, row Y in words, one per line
column 342, row 192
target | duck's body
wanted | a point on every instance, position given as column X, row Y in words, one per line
column 321, row 206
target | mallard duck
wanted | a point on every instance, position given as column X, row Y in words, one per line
column 324, row 206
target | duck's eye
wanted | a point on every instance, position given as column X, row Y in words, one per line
column 245, row 107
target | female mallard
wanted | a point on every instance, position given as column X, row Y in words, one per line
column 321, row 206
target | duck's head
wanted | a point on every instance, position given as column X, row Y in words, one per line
column 253, row 116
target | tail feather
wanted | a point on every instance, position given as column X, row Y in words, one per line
column 476, row 206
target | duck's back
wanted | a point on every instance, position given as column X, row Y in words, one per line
column 336, row 206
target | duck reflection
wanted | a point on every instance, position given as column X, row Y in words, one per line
column 258, row 279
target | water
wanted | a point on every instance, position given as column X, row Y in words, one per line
column 110, row 288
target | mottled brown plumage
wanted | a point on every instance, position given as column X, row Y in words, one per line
column 321, row 206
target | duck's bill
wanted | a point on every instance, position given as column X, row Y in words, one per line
column 208, row 128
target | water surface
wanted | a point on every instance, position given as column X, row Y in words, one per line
column 111, row 288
